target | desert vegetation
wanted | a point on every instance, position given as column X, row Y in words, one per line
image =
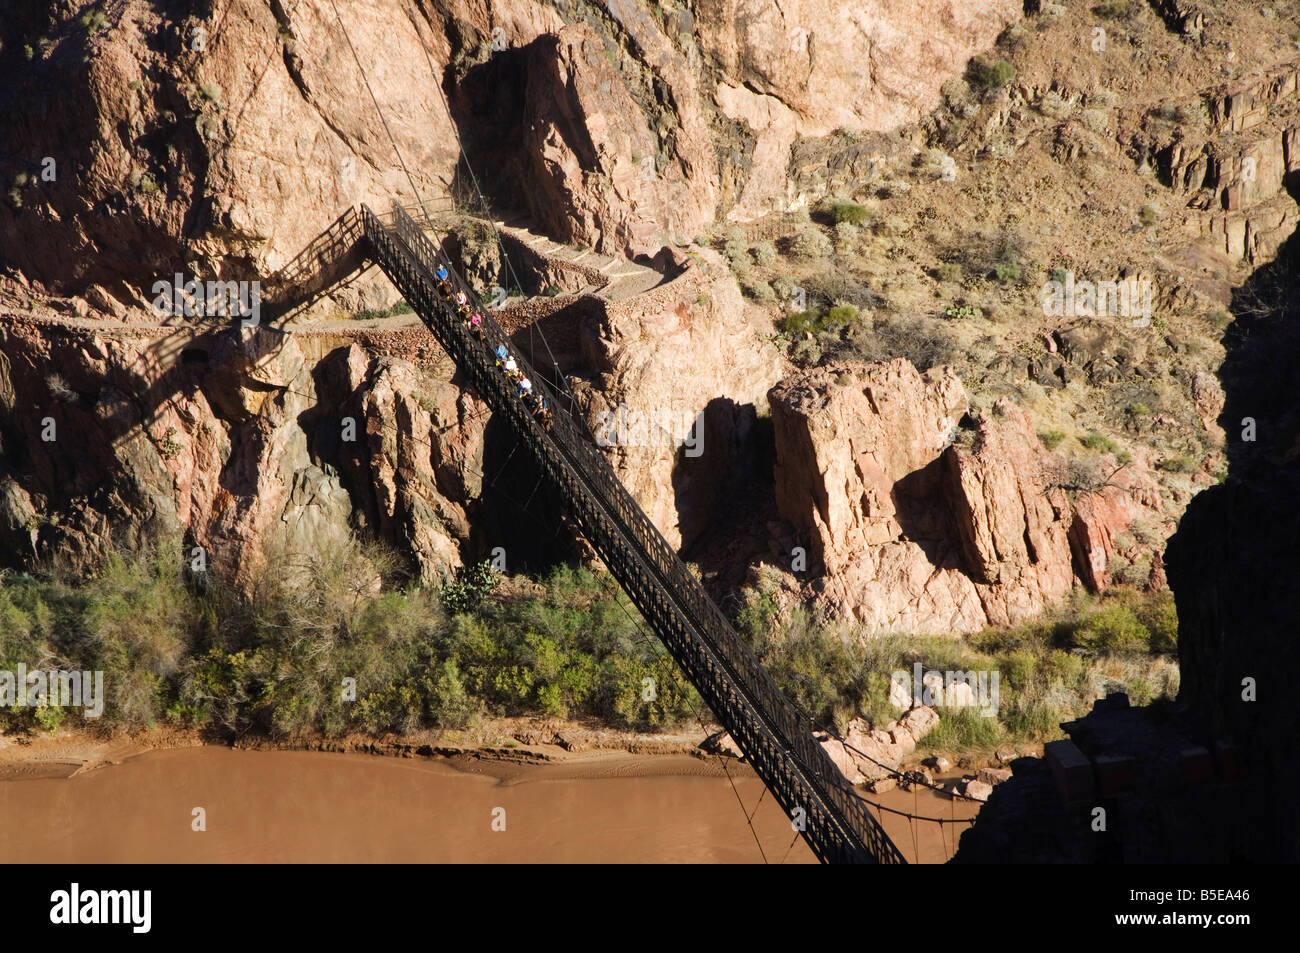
column 570, row 644
column 1051, row 668
column 190, row 652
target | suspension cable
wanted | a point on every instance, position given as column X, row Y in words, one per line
column 483, row 204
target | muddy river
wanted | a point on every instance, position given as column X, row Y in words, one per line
column 284, row 806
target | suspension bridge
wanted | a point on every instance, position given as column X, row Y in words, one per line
column 774, row 735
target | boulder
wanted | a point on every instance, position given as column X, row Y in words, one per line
column 721, row 743
column 994, row 776
column 979, row 790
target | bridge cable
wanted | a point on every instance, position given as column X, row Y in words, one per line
column 749, row 818
column 460, row 145
column 365, row 79
column 651, row 643
column 804, row 719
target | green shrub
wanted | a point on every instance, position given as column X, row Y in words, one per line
column 840, row 316
column 471, row 586
column 1051, row 439
column 1149, row 215
column 1178, row 465
column 850, row 213
column 801, row 322
column 1021, row 668
column 991, row 76
column 1095, row 440
column 1028, row 719
column 1160, row 617
column 964, row 729
column 1006, row 272
column 1116, row 630
column 92, row 20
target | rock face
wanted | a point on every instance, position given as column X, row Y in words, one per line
column 235, row 442
column 807, row 69
column 1234, row 568
column 152, row 140
column 226, row 143
column 678, row 376
column 918, row 524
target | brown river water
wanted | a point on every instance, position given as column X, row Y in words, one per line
column 308, row 807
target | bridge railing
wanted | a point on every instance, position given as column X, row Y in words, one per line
column 669, row 585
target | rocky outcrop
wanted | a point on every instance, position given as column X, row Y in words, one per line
column 867, row 754
column 922, row 518
column 237, row 442
column 226, row 144
column 677, row 378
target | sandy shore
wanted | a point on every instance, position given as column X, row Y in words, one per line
column 66, row 753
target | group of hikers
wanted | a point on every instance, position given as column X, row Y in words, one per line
column 472, row 318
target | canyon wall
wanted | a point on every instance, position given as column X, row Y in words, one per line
column 144, row 141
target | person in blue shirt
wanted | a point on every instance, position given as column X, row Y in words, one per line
column 441, row 273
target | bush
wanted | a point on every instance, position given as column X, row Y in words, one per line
column 471, row 586
column 811, row 244
column 1051, row 439
column 846, row 237
column 1095, row 440
column 1178, row 465
column 737, row 253
column 840, row 316
column 1149, row 215
column 849, row 213
column 1116, row 630
column 802, row 322
column 926, row 342
column 806, row 353
column 764, row 254
column 991, row 76
column 1115, row 10
column 1161, row 619
column 948, row 271
column 93, row 20
column 1005, row 272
